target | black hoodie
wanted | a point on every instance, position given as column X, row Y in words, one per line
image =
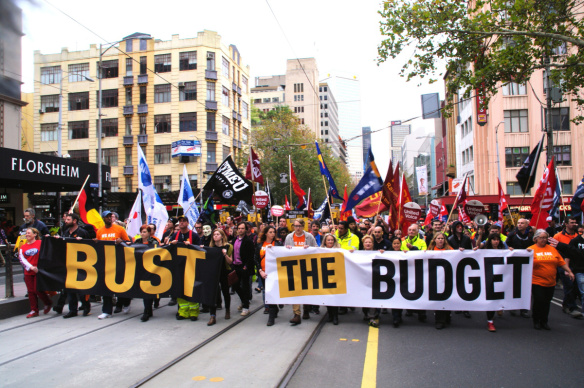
column 462, row 242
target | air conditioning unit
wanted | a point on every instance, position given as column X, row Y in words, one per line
column 181, row 84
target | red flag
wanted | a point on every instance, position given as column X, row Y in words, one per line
column 443, row 213
column 429, row 217
column 368, row 208
column 344, row 215
column 543, row 198
column 390, row 196
column 287, row 204
column 309, row 211
column 295, row 186
column 255, row 162
column 502, row 202
column 404, row 198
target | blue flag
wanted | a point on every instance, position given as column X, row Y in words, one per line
column 325, row 171
column 368, row 185
column 577, row 199
column 187, row 200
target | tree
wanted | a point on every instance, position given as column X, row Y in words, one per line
column 480, row 43
column 277, row 134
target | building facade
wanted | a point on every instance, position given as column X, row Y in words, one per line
column 397, row 134
column 366, row 144
column 153, row 93
column 329, row 122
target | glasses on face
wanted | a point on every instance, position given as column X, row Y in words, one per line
column 298, row 226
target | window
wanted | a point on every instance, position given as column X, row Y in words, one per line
column 50, row 75
column 560, row 119
column 225, row 125
column 109, row 69
column 188, row 92
column 268, row 99
column 128, row 126
column 516, row 120
column 245, row 110
column 244, row 83
column 210, row 60
column 49, row 131
column 161, row 93
column 129, row 45
column 225, row 96
column 109, row 127
column 129, row 66
column 109, row 156
column 162, row 63
column 563, row 155
column 299, row 88
column 78, row 129
column 129, row 178
column 257, row 101
column 50, row 153
column 109, row 98
column 78, row 72
column 515, row 156
column 128, row 96
column 225, row 67
column 567, row 187
column 562, row 49
column 79, row 101
column 226, row 152
column 275, row 99
column 187, row 122
column 143, row 126
column 143, row 44
column 299, row 97
column 162, row 154
column 211, row 121
column 244, row 133
column 514, row 89
column 143, row 65
column 188, row 60
column 114, row 185
column 142, row 94
column 128, row 156
column 513, row 188
column 210, row 91
column 192, row 177
column 162, row 124
column 162, row 183
column 50, row 103
column 211, row 152
column 81, row 155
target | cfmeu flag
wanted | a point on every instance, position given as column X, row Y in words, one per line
column 368, row 185
column 577, row 202
column 230, row 184
column 326, row 173
column 153, row 206
column 526, row 175
column 87, row 210
column 186, row 199
column 135, row 217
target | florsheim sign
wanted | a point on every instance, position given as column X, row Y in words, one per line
column 44, row 172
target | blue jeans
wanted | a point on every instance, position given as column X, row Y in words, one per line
column 568, row 287
column 579, row 280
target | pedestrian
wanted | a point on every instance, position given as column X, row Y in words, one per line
column 266, row 240
column 330, row 241
column 546, row 260
column 440, row 243
column 521, row 238
column 220, row 240
column 396, row 245
column 146, row 238
column 29, row 257
column 369, row 245
column 243, row 265
column 458, row 239
column 577, row 262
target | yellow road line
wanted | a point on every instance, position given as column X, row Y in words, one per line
column 370, row 366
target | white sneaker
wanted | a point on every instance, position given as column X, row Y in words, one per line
column 126, row 310
column 104, row 316
column 244, row 312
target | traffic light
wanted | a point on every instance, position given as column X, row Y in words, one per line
column 103, row 198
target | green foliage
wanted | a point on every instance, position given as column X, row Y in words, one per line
column 482, row 43
column 277, row 134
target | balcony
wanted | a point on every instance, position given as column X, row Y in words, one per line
column 211, row 74
column 234, row 87
column 128, row 170
column 143, row 109
column 129, row 80
column 142, row 79
column 210, row 167
column 142, row 139
column 234, row 115
column 128, row 110
column 239, row 90
column 128, row 141
column 211, row 136
column 211, row 105
column 239, row 117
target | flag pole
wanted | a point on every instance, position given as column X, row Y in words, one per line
column 400, row 204
column 290, row 175
column 328, row 200
column 455, row 204
column 77, row 199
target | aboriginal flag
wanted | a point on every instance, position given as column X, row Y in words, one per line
column 87, row 209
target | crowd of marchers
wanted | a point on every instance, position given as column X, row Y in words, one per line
column 558, row 255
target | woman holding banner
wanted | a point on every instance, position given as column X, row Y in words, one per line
column 146, row 238
column 29, row 257
column 330, row 241
column 440, row 243
column 546, row 260
column 266, row 239
column 219, row 240
column 368, row 243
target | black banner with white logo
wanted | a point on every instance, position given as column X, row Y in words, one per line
column 230, row 184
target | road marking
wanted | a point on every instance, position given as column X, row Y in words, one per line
column 370, row 366
column 355, row 340
column 215, row 379
column 199, row 378
column 342, row 339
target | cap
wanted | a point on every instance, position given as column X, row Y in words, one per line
column 180, row 218
column 172, row 220
column 549, row 219
column 105, row 213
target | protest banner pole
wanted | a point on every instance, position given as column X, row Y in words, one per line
column 80, row 191
column 454, row 205
column 328, row 200
column 290, row 176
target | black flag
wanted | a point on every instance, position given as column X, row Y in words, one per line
column 526, row 175
column 230, row 184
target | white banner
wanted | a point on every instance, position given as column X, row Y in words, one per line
column 422, row 177
column 483, row 280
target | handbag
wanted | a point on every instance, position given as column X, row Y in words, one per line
column 232, row 278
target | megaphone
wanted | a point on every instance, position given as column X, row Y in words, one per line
column 481, row 220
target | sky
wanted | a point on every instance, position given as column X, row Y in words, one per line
column 343, row 36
